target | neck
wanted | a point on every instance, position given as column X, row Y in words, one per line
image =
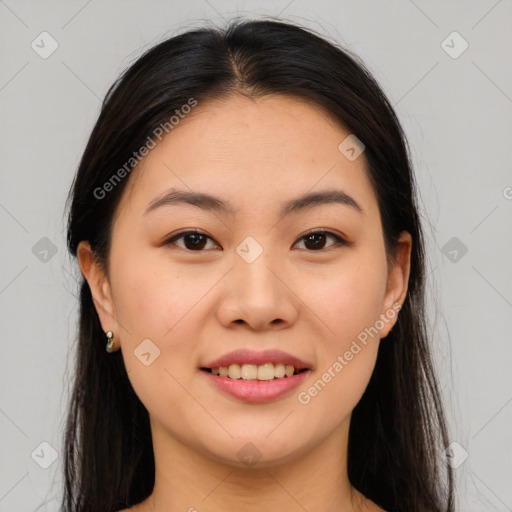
column 188, row 480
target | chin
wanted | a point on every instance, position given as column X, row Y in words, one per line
column 256, row 452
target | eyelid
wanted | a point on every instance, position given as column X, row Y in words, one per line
column 170, row 240
column 340, row 240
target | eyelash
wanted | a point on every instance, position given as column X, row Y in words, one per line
column 339, row 242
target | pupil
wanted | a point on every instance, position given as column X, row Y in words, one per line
column 198, row 241
column 318, row 243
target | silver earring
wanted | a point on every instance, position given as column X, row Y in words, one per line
column 110, row 342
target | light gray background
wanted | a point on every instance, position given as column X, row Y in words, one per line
column 456, row 113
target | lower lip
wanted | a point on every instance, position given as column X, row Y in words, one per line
column 257, row 390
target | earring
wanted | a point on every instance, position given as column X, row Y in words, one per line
column 110, row 343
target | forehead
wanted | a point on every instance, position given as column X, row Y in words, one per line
column 249, row 149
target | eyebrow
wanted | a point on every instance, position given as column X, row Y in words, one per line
column 211, row 203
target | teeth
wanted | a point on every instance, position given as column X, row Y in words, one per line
column 267, row 371
column 249, row 372
column 234, row 371
column 279, row 370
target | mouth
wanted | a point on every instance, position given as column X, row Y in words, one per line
column 256, row 376
column 253, row 372
column 255, row 384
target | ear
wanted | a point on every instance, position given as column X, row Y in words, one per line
column 99, row 286
column 398, row 278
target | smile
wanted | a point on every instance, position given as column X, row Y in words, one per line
column 256, row 383
column 262, row 372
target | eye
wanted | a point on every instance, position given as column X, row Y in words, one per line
column 193, row 240
column 313, row 241
column 316, row 240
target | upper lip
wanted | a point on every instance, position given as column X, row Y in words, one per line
column 245, row 356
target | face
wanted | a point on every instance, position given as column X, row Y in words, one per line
column 282, row 280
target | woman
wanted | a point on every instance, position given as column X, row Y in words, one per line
column 244, row 218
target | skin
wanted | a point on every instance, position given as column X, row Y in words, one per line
column 196, row 306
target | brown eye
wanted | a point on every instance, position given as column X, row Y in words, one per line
column 316, row 241
column 192, row 240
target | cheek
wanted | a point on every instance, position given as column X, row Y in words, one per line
column 163, row 305
column 152, row 299
column 329, row 398
column 156, row 312
column 349, row 298
column 349, row 304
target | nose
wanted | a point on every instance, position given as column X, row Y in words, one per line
column 258, row 296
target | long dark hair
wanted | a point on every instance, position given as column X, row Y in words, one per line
column 398, row 428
